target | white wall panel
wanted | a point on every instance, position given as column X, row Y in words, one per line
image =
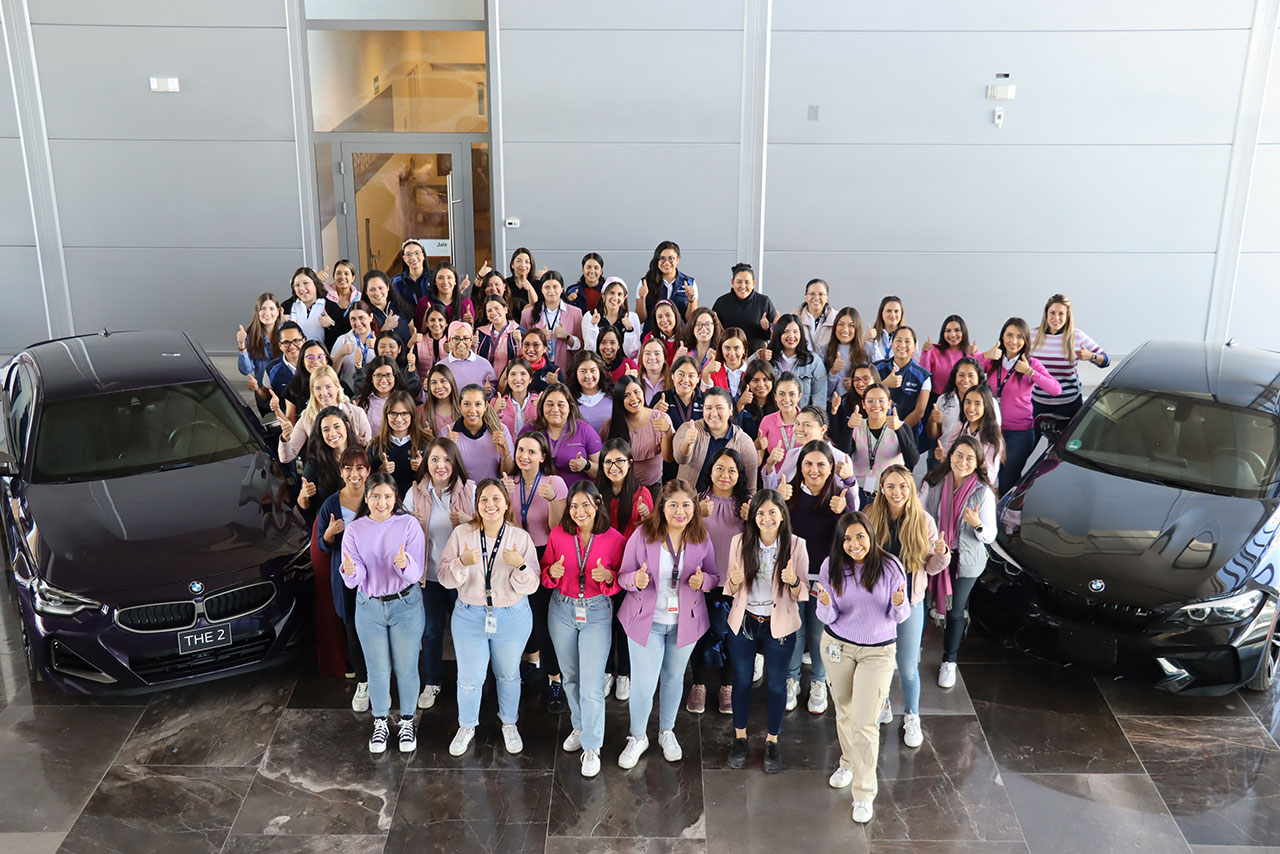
column 995, row 198
column 177, row 194
column 234, row 82
column 1262, row 217
column 625, row 196
column 159, row 13
column 635, row 90
column 1011, row 15
column 1112, row 294
column 23, row 320
column 929, row 87
column 16, row 227
column 710, row 269
column 662, row 15
column 8, row 117
column 119, row 288
column 1257, row 300
column 1270, row 129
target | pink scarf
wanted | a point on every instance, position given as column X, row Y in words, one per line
column 950, row 509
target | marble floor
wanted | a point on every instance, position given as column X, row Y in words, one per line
column 1018, row 758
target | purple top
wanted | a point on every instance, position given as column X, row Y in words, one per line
column 584, row 440
column 596, row 414
column 373, row 547
column 861, row 616
column 723, row 523
column 479, row 455
column 539, row 522
column 474, row 370
column 636, row 611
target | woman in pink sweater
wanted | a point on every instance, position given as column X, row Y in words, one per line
column 1012, row 373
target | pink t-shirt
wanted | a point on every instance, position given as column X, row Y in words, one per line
column 537, row 524
column 772, row 429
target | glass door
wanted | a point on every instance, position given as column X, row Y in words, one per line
column 393, row 192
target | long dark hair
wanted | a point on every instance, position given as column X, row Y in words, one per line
column 444, row 443
column 618, row 357
column 395, row 302
column 299, row 387
column 533, row 268
column 327, row 461
column 601, row 523
column 741, row 489
column 418, row 437
column 653, row 275
column 548, row 465
column 717, row 331
column 989, row 427
column 971, row 362
column 840, row 565
column 618, row 427
column 938, row 473
column 751, row 538
column 541, row 302
column 878, row 326
column 366, row 385
column 583, row 356
column 813, row 446
column 380, row 478
column 453, row 308
column 857, row 347
column 964, row 333
column 626, row 496
column 655, row 527
column 760, row 408
column 1021, row 326
column 803, row 354
column 256, row 337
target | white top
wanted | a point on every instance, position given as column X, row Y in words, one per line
column 668, row 591
column 760, row 597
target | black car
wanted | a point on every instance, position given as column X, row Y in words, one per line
column 1143, row 544
column 147, row 526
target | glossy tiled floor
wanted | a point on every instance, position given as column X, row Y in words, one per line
column 1018, row 758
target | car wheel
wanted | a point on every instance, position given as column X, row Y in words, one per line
column 33, row 673
column 1265, row 680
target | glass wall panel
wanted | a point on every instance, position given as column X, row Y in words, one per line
column 395, row 10
column 480, row 195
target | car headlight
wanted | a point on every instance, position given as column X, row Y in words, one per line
column 52, row 602
column 1217, row 612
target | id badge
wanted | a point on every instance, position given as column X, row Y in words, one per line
column 490, row 622
column 673, row 603
column 580, row 611
column 833, row 652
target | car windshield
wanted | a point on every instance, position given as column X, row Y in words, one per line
column 1191, row 443
column 123, row 433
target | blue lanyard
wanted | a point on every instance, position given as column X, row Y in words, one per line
column 525, row 504
column 489, row 560
column 582, row 563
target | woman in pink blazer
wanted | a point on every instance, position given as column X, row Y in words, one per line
column 561, row 321
column 668, row 564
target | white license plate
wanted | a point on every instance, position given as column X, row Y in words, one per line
column 195, row 640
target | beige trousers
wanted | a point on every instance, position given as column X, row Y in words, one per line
column 859, row 683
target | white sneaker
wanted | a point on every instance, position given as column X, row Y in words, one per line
column 947, row 675
column 590, row 763
column 378, row 741
column 573, row 742
column 862, row 811
column 407, row 736
column 633, row 751
column 912, row 735
column 840, row 777
column 670, row 747
column 817, row 697
column 806, row 658
column 461, row 740
column 511, row 736
column 608, row 684
column 427, row 698
column 757, row 669
column 886, row 713
column 793, row 693
column 623, row 688
column 360, row 699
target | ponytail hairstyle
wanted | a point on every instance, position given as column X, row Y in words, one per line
column 489, row 417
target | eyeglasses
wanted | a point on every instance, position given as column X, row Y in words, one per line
column 291, row 343
column 317, row 357
column 666, row 259
column 399, row 415
column 458, row 339
column 616, row 464
column 388, row 377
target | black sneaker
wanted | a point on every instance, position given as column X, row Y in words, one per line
column 772, row 757
column 738, row 753
column 378, row 741
column 529, row 671
column 555, row 698
column 408, row 738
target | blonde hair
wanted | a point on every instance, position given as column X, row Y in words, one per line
column 313, row 408
column 1068, row 328
column 913, row 527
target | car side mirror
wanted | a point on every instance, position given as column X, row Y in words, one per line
column 1050, row 426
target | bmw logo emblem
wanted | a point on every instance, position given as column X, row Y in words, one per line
column 1097, row 585
column 196, row 587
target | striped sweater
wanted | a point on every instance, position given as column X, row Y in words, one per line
column 1063, row 369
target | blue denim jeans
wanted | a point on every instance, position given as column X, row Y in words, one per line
column 954, row 631
column 808, row 639
column 751, row 638
column 583, row 650
column 390, row 633
column 658, row 660
column 475, row 651
column 910, row 633
column 437, row 601
column 1018, row 445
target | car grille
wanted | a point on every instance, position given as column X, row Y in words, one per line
column 1109, row 615
column 163, row 616
column 238, row 602
column 158, row 667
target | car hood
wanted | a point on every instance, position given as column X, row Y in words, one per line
column 107, row 539
column 1150, row 544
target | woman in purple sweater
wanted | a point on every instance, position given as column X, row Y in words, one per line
column 862, row 596
column 382, row 552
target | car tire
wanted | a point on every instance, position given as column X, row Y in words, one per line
column 1265, row 679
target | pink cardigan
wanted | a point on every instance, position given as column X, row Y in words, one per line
column 572, row 322
column 1015, row 401
column 786, row 613
column 636, row 611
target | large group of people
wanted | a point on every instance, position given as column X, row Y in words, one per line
column 597, row 489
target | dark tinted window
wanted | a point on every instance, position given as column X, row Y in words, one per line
column 140, row 430
column 21, row 397
column 1192, row 443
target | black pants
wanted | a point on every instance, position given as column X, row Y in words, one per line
column 619, row 655
column 710, row 653
column 540, row 637
column 355, row 655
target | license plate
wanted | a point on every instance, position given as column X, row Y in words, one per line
column 1089, row 650
column 195, row 640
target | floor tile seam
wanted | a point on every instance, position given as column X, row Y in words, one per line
column 996, row 764
column 257, row 773
column 105, row 771
column 1269, row 744
column 1147, row 773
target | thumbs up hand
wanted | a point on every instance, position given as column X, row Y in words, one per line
column 939, row 547
column 895, row 423
column 401, row 560
column 308, row 488
column 994, row 354
column 546, row 490
column 556, row 570
column 470, row 556
column 512, row 556
column 696, row 580
column 706, row 506
column 928, row 344
column 835, row 402
column 824, row 598
column 785, row 490
column 578, row 463
column 348, row 567
column 415, row 461
column 600, row 574
column 894, row 380
column 844, row 469
column 642, row 577
column 789, row 572
column 764, row 321
column 241, row 337
column 855, row 420
column 736, row 575
column 838, row 365
column 839, row 502
column 776, row 455
column 900, row 595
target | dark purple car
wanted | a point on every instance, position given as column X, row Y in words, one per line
column 148, row 528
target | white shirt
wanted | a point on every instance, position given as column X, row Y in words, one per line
column 309, row 320
column 668, row 591
column 760, row 596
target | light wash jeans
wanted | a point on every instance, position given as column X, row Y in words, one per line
column 808, row 639
column 910, row 633
column 659, row 658
column 390, row 633
column 475, row 651
column 583, row 651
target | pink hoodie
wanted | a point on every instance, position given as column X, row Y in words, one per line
column 1015, row 400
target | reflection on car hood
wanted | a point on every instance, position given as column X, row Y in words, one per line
column 102, row 538
column 1150, row 544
